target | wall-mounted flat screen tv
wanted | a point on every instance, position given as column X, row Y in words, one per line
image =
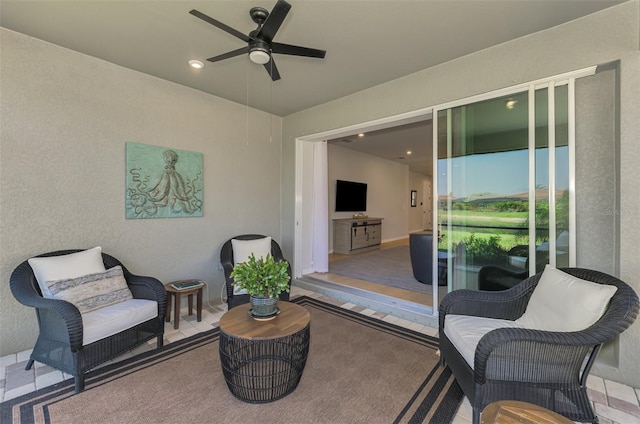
column 351, row 196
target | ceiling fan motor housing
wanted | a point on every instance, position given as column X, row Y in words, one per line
column 258, row 14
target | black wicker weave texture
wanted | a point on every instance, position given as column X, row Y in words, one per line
column 226, row 260
column 59, row 342
column 545, row 368
column 260, row 371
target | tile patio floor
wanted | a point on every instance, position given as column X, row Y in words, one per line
column 614, row 403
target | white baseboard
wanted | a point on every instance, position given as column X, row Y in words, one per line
column 395, row 238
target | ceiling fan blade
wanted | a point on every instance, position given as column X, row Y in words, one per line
column 297, row 50
column 274, row 20
column 227, row 55
column 220, row 25
column 272, row 69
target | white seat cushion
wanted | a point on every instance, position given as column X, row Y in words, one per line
column 562, row 302
column 110, row 320
column 465, row 332
column 63, row 267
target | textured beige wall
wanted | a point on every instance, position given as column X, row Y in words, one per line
column 65, row 120
column 610, row 35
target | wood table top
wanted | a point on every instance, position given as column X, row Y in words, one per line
column 237, row 322
column 514, row 412
column 188, row 290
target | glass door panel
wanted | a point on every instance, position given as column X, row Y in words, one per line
column 483, row 183
column 484, row 186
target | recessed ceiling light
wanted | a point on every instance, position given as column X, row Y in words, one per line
column 361, row 135
column 196, row 64
column 408, row 152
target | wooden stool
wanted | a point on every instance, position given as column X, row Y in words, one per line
column 177, row 295
column 511, row 411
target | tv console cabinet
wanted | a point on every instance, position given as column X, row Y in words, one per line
column 352, row 235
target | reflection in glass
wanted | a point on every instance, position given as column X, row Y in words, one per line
column 483, row 186
column 483, row 189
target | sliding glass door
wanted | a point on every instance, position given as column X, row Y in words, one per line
column 503, row 186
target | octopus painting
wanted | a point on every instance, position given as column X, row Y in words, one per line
column 157, row 187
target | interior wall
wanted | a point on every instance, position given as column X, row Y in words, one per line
column 610, row 35
column 387, row 189
column 416, row 182
column 65, row 120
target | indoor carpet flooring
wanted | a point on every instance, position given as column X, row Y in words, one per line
column 359, row 370
column 390, row 267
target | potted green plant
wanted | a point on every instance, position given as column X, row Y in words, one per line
column 263, row 279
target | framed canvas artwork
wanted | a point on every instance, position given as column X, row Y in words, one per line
column 162, row 182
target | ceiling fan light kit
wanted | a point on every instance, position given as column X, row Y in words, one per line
column 260, row 44
column 259, row 56
column 196, row 64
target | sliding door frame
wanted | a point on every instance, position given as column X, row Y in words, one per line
column 550, row 84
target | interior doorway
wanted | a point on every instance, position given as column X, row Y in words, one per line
column 306, row 171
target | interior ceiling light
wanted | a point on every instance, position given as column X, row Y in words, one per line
column 196, row 64
column 361, row 135
column 408, row 152
column 511, row 103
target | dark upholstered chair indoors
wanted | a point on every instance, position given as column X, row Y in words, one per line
column 421, row 252
column 248, row 243
column 76, row 342
column 497, row 350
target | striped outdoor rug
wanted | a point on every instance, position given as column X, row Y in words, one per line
column 359, row 370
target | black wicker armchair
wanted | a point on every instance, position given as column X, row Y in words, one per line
column 546, row 368
column 226, row 258
column 60, row 340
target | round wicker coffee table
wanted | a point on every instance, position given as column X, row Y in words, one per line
column 263, row 361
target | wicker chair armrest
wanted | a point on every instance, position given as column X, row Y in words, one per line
column 60, row 316
column 227, row 267
column 507, row 304
column 517, row 353
column 143, row 287
column 226, row 260
column 56, row 317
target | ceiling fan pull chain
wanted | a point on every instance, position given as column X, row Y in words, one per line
column 247, row 91
column 271, row 104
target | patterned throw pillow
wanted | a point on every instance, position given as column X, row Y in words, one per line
column 92, row 291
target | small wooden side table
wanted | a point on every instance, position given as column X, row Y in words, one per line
column 177, row 295
column 511, row 411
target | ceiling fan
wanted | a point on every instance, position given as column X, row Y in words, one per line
column 260, row 44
